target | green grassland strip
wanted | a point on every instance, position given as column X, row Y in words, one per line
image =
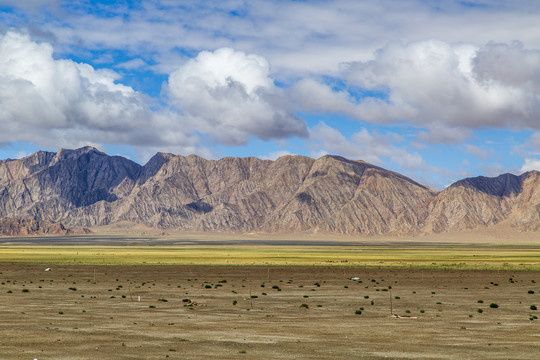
column 428, row 257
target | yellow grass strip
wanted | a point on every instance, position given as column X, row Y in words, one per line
column 388, row 256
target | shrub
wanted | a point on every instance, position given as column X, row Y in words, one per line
column 304, row 306
column 480, row 301
column 358, row 312
column 234, row 302
column 530, row 292
column 493, row 305
column 480, row 311
column 185, row 300
column 533, row 307
column 25, row 290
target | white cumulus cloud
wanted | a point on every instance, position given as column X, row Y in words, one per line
column 530, row 164
column 445, row 88
column 60, row 103
column 230, row 95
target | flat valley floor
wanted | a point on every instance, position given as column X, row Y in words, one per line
column 241, row 312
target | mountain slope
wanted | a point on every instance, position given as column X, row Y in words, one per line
column 482, row 202
column 85, row 188
column 49, row 185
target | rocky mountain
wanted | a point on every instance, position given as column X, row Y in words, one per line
column 85, row 188
column 31, row 227
column 483, row 202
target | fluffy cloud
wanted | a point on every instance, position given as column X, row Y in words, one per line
column 511, row 65
column 72, row 104
column 446, row 88
column 530, row 164
column 230, row 96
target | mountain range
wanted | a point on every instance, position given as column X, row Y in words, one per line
column 293, row 194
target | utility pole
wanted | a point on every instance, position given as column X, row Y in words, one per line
column 391, row 308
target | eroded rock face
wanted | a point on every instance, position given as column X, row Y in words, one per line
column 483, row 202
column 84, row 188
column 29, row 227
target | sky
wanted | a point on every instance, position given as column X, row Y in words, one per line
column 437, row 90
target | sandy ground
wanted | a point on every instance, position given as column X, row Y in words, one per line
column 93, row 312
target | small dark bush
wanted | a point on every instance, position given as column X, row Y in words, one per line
column 533, row 307
column 493, row 305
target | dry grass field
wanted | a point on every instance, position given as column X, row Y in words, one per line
column 265, row 312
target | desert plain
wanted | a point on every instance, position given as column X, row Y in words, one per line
column 341, row 303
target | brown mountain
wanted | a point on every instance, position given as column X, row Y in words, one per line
column 85, row 188
column 483, row 202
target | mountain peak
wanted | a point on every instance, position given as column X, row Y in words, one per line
column 85, row 187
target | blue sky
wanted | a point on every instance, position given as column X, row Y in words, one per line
column 437, row 90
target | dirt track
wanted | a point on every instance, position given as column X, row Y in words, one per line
column 93, row 312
